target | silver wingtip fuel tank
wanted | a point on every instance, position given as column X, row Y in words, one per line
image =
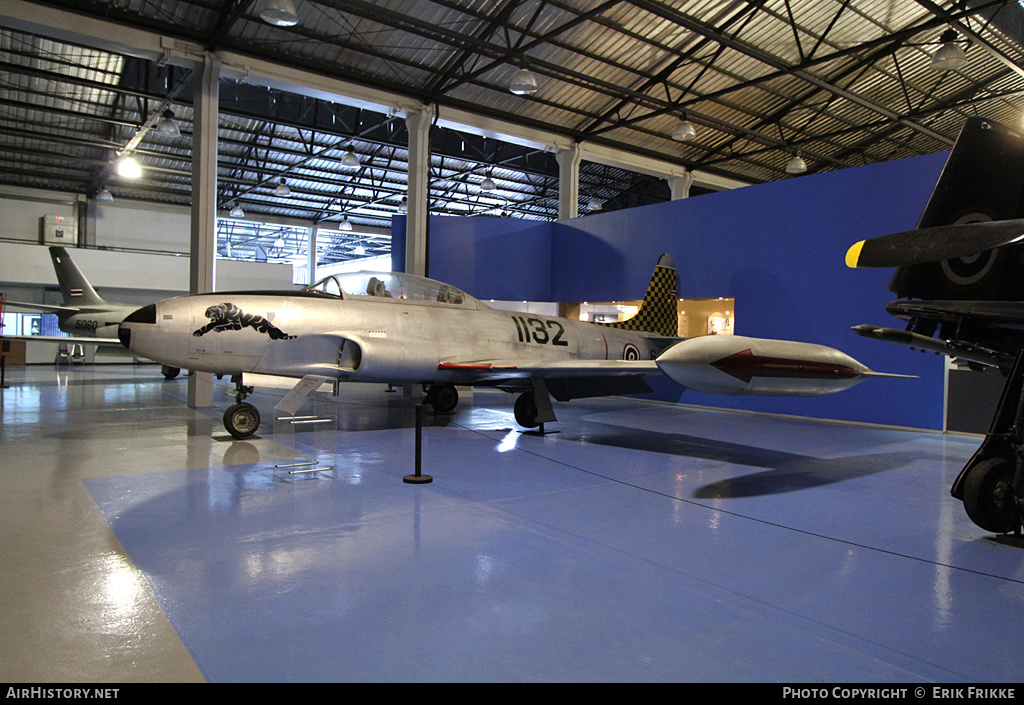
column 728, row 364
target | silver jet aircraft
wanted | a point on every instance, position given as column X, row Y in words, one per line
column 398, row 328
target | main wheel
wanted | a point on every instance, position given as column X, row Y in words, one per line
column 526, row 410
column 169, row 372
column 988, row 496
column 443, row 398
column 241, row 419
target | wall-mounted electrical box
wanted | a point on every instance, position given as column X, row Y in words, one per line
column 59, row 230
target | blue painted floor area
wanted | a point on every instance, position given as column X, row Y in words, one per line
column 641, row 542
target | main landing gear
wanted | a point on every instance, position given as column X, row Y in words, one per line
column 991, row 485
column 442, row 398
column 241, row 419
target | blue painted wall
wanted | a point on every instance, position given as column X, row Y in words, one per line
column 778, row 249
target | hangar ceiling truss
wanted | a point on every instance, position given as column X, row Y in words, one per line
column 844, row 82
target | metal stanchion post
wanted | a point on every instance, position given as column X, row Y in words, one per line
column 418, row 478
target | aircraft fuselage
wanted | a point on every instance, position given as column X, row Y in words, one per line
column 364, row 339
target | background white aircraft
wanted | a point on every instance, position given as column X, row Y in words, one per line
column 84, row 315
column 398, row 328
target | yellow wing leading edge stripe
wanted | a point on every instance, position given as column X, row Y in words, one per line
column 853, row 255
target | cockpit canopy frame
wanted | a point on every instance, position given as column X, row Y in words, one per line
column 393, row 286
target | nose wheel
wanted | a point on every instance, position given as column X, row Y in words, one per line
column 242, row 419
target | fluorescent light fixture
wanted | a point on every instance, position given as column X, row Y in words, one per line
column 128, row 167
column 280, row 13
column 524, row 82
column 796, row 165
column 282, row 189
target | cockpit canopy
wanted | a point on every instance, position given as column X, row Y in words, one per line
column 392, row 285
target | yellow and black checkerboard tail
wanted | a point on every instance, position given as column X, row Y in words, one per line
column 659, row 311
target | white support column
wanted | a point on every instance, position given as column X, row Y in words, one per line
column 418, row 124
column 680, row 185
column 204, row 205
column 311, row 254
column 568, row 182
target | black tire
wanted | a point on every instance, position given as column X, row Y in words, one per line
column 988, row 496
column 526, row 410
column 443, row 398
column 169, row 372
column 241, row 420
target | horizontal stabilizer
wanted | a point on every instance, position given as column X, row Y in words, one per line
column 934, row 244
column 61, row 339
column 40, row 307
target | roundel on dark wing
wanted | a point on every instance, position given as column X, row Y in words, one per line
column 630, row 352
column 965, row 271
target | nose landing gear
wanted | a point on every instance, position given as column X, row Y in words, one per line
column 241, row 419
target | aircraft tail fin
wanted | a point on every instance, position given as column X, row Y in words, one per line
column 983, row 180
column 74, row 287
column 659, row 311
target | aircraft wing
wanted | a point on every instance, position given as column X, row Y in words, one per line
column 934, row 244
column 505, row 369
column 990, row 311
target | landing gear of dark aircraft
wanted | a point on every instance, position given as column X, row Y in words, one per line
column 991, row 485
column 241, row 419
column 525, row 410
column 988, row 496
column 443, row 398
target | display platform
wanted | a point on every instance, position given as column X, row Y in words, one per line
column 635, row 541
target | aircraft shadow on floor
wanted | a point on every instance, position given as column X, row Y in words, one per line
column 781, row 471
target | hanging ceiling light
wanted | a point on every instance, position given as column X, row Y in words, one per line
column 128, row 167
column 282, row 189
column 684, row 131
column 167, row 125
column 345, row 224
column 104, row 195
column 593, row 204
column 359, row 251
column 403, row 207
column 796, row 165
column 350, row 160
column 524, row 82
column 279, row 243
column 237, row 212
column 280, row 13
column 950, row 55
column 488, row 183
